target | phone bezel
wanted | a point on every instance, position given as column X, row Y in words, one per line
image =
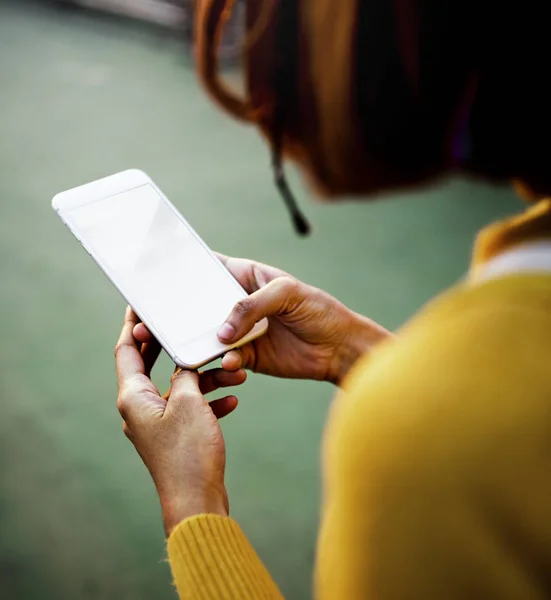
column 194, row 353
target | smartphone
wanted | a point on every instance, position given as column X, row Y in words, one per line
column 164, row 270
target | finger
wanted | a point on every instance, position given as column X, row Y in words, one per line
column 250, row 274
column 128, row 359
column 150, row 353
column 185, row 395
column 214, row 379
column 224, row 406
column 177, row 370
column 233, row 360
column 240, row 358
column 142, row 334
column 278, row 297
column 150, row 347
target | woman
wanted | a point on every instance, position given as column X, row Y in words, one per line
column 437, row 455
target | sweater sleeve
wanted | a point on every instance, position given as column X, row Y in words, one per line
column 211, row 559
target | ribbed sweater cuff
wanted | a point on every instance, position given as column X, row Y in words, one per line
column 211, row 558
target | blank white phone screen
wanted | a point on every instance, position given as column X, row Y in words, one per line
column 158, row 263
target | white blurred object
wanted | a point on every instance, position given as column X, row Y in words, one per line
column 161, row 12
column 175, row 14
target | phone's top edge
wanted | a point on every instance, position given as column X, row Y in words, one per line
column 137, row 173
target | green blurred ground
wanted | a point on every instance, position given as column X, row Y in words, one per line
column 82, row 97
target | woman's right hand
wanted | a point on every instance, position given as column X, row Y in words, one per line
column 311, row 335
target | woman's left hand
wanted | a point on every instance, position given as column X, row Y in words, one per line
column 178, row 438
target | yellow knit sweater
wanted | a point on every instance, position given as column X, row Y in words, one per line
column 437, row 457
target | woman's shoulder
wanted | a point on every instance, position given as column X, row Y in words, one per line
column 473, row 363
column 437, row 449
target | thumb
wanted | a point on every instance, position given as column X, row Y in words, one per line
column 185, row 396
column 276, row 298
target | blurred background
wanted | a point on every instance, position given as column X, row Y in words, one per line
column 92, row 87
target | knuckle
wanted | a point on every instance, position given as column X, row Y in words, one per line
column 243, row 307
column 188, row 401
column 119, row 348
column 123, row 405
column 288, row 285
column 193, row 396
column 126, row 430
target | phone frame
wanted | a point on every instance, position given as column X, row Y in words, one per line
column 194, row 353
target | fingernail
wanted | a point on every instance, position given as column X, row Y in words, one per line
column 226, row 332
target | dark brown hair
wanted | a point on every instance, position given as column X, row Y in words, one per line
column 369, row 95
